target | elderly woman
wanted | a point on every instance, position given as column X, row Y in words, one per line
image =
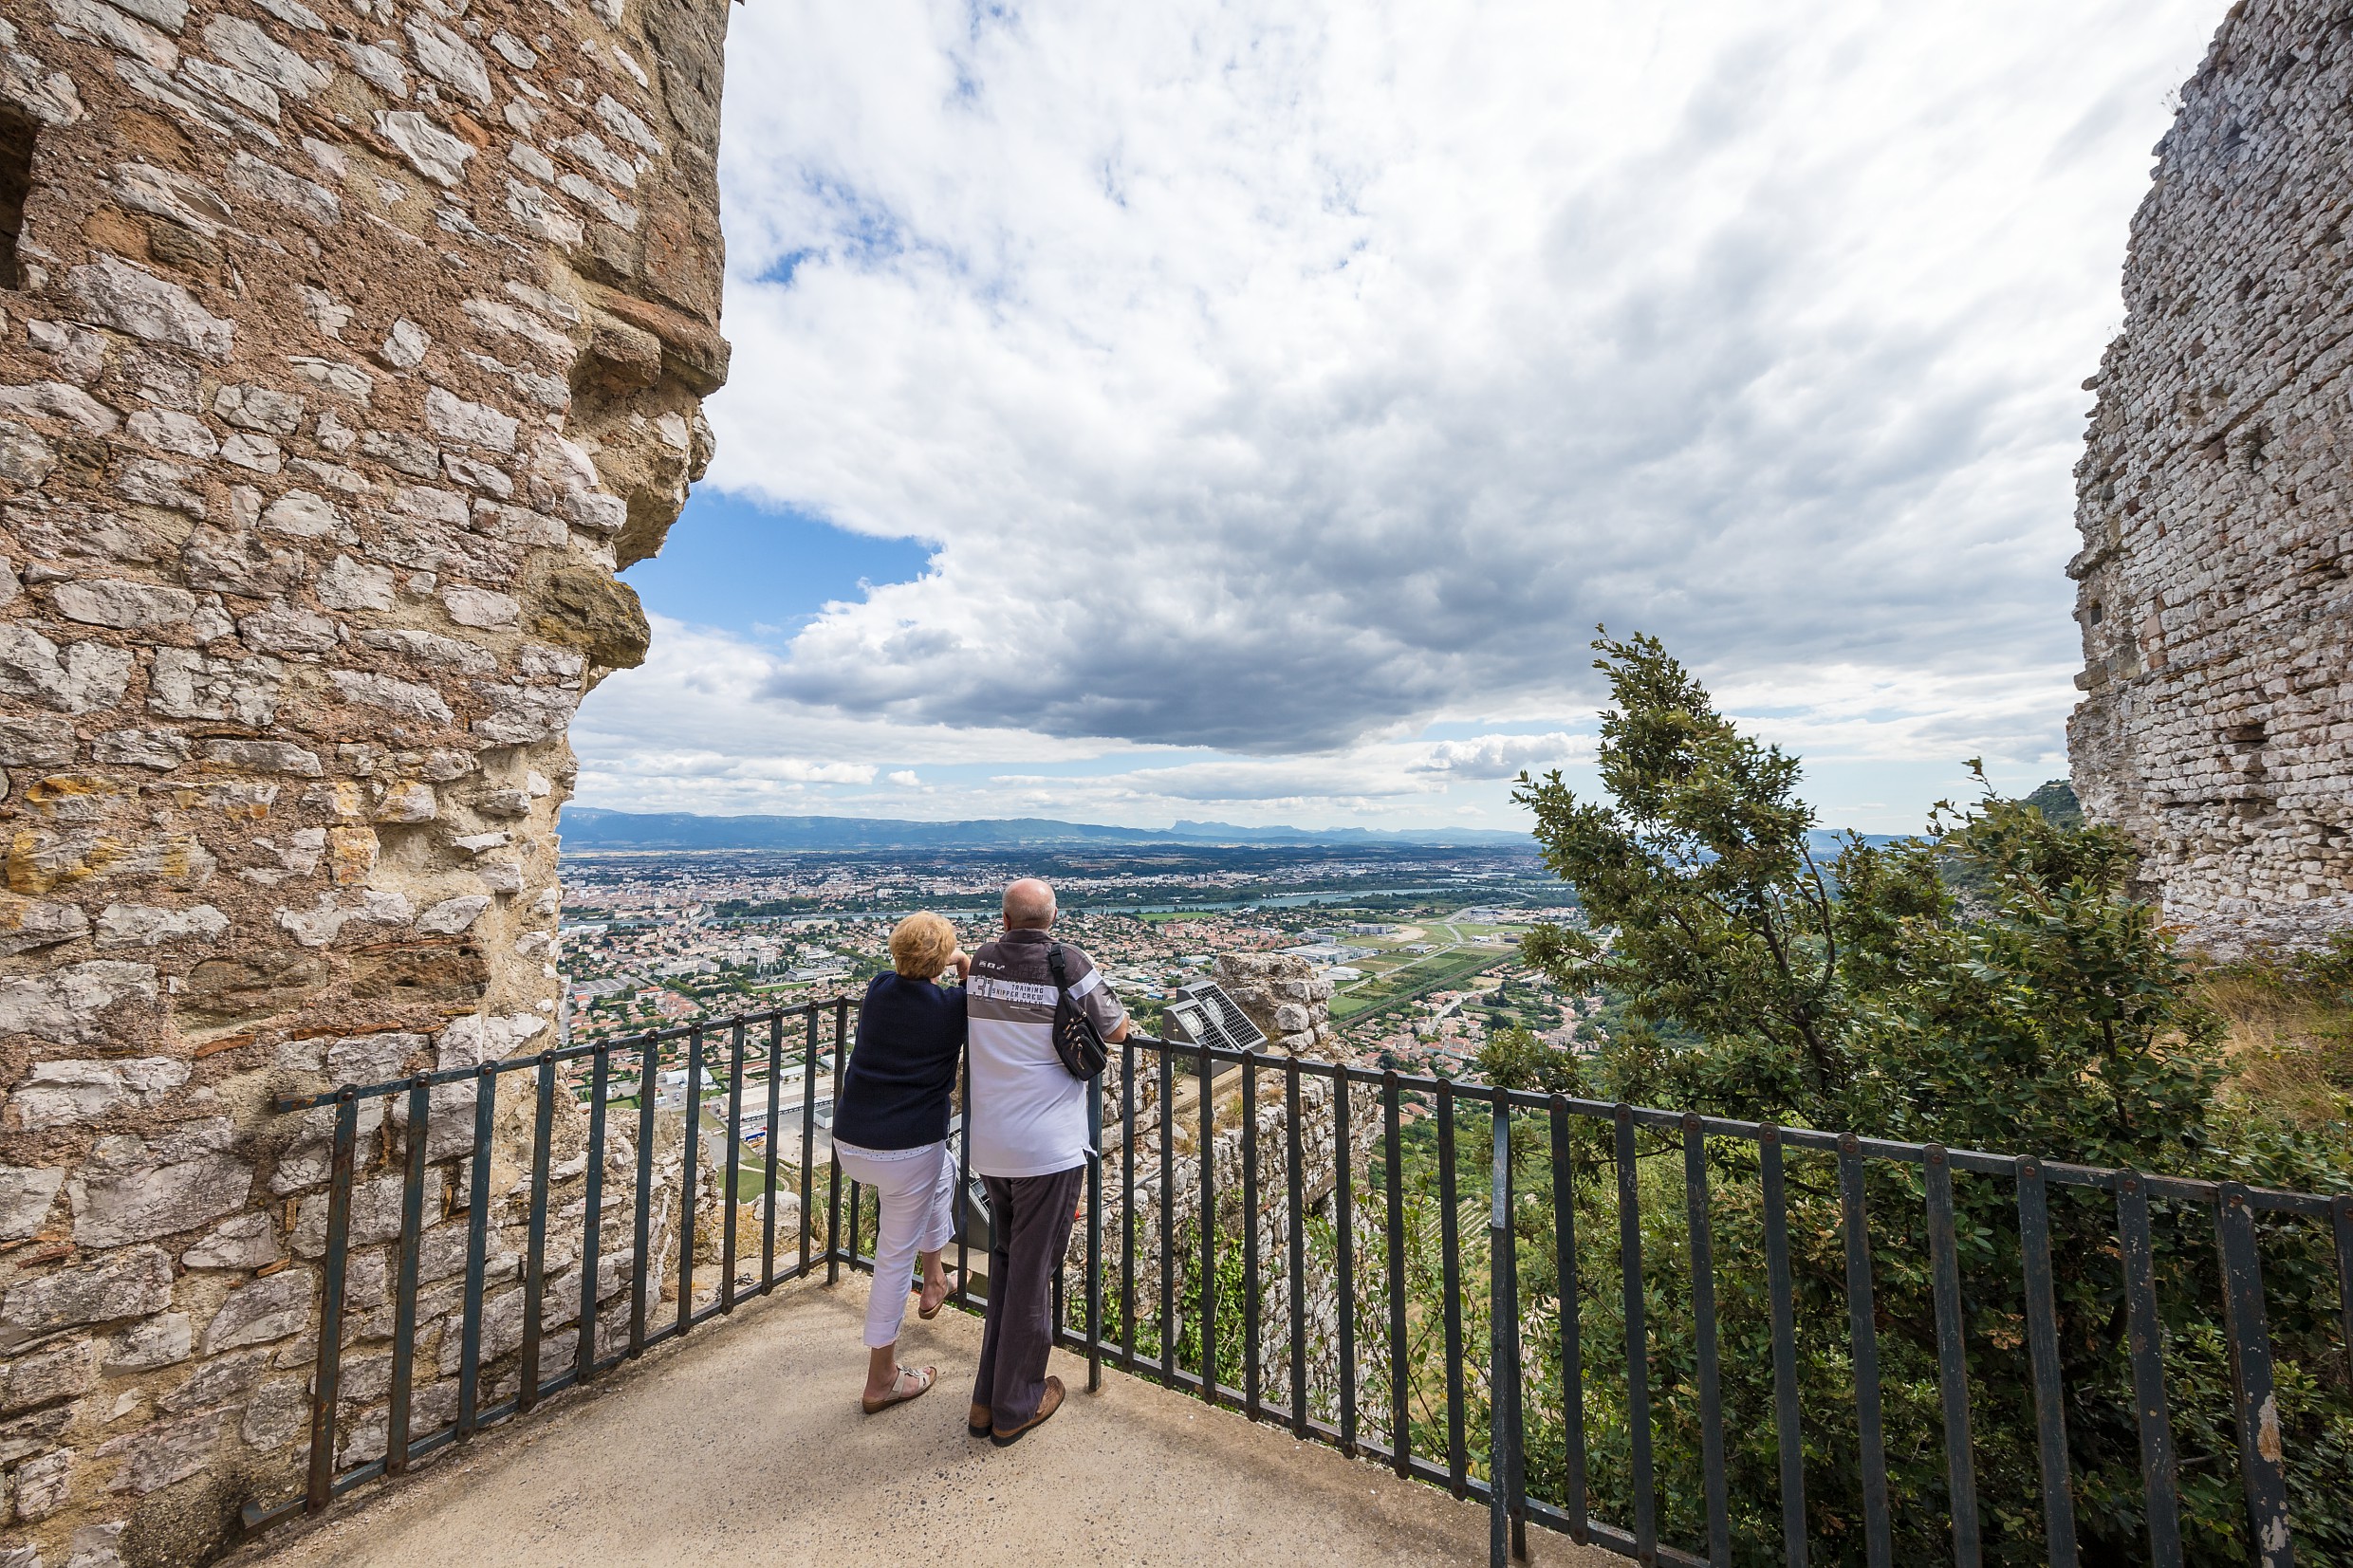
column 890, row 1132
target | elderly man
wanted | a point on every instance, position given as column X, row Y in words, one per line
column 1030, row 1146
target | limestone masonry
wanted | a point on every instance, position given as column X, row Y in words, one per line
column 2215, row 502
column 347, row 348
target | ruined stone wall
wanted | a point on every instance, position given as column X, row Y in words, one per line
column 2215, row 499
column 347, row 348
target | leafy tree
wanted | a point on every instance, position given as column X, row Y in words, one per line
column 1992, row 984
column 2052, row 1016
column 1515, row 1059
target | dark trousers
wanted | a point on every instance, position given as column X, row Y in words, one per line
column 1030, row 1229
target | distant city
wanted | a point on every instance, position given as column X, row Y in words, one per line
column 1421, row 943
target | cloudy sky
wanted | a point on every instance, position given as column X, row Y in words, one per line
column 1245, row 410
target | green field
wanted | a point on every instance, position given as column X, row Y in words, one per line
column 1395, row 988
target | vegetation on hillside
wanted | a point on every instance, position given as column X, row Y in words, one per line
column 1991, row 984
column 2028, row 1003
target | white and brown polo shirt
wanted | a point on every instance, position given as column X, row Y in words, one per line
column 1029, row 1113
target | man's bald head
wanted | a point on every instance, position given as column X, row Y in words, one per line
column 1028, row 905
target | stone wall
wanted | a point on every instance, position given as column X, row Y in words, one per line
column 2215, row 499
column 347, row 349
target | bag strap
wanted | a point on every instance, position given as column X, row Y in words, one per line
column 1053, row 963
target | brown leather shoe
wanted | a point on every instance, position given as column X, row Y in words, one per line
column 1047, row 1405
column 977, row 1423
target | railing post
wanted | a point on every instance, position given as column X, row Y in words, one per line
column 1298, row 1238
column 2145, row 1336
column 1208, row 1108
column 641, row 1262
column 690, row 1158
column 1778, row 1285
column 2051, row 1416
column 1127, row 1203
column 1168, row 1216
column 326, row 1380
column 1094, row 1233
column 833, row 1192
column 477, row 1249
column 592, row 1212
column 1863, row 1345
column 1401, row 1418
column 2341, row 1219
column 1507, row 1534
column 767, row 1185
column 404, row 1307
column 1951, row 1359
column 1572, row 1309
column 1344, row 1292
column 808, row 1142
column 733, row 1166
column 535, row 1243
column 1702, row 1246
column 1450, row 1277
column 2260, row 1454
column 1251, row 1320
column 1637, row 1339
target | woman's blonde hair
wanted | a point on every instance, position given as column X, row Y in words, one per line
column 921, row 946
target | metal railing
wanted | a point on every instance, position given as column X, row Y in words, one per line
column 1553, row 1123
column 1185, row 1326
column 794, row 1038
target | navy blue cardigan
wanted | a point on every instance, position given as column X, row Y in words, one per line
column 894, row 1093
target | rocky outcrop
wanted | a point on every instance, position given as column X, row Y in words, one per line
column 1292, row 1008
column 2216, row 583
column 348, row 348
column 1283, row 996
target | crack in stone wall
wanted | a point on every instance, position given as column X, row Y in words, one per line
column 347, row 349
column 2216, row 583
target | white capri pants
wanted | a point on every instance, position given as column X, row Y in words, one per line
column 918, row 1191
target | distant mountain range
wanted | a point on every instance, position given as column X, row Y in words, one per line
column 586, row 827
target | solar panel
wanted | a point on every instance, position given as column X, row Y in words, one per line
column 1207, row 1016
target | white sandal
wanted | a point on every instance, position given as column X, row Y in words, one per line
column 924, row 1378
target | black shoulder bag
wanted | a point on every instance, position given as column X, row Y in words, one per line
column 1076, row 1040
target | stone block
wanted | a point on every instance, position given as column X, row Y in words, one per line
column 43, row 1484
column 80, row 1004
column 64, row 1372
column 133, row 301
column 277, row 1414
column 67, row 1094
column 217, row 1382
column 27, row 1195
column 27, row 923
column 264, row 1310
column 156, row 1455
column 312, row 525
column 164, row 1341
column 244, row 1240
column 24, row 1435
column 375, row 1216
column 131, row 1284
column 147, row 926
column 137, row 1189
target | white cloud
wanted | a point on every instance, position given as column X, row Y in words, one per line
column 1281, row 380
column 1505, row 756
